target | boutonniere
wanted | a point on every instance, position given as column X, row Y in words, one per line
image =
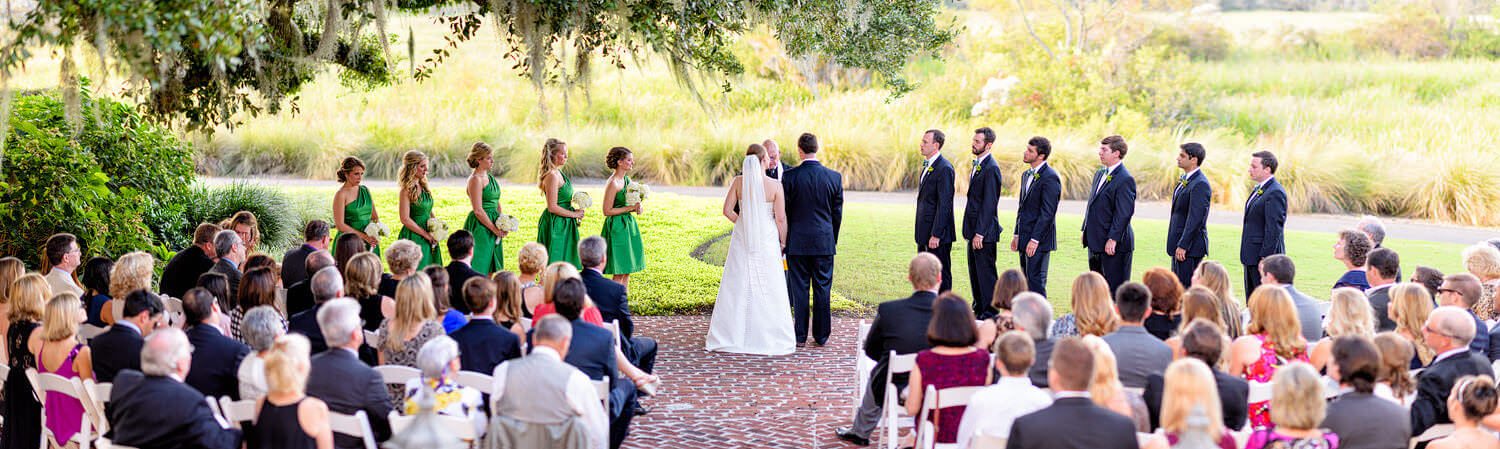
column 1260, row 191
column 929, row 169
column 1108, row 178
column 1181, row 183
column 1036, row 175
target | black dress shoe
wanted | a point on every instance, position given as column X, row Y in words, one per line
column 642, row 410
column 847, row 434
column 821, row 343
column 802, row 344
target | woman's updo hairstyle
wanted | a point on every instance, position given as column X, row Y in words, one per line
column 616, row 154
column 1476, row 396
column 480, row 150
column 757, row 150
column 350, row 163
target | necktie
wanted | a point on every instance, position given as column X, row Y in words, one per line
column 975, row 171
column 1026, row 181
column 1181, row 182
column 923, row 174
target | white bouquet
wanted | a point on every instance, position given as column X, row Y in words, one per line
column 438, row 228
column 507, row 223
column 377, row 230
column 636, row 192
column 581, row 201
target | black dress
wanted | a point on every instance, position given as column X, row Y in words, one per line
column 277, row 427
column 369, row 311
column 23, row 414
column 1162, row 326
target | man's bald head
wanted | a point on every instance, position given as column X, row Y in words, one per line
column 1453, row 326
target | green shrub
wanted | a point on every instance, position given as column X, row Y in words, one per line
column 1475, row 39
column 281, row 218
column 1199, row 40
column 1410, row 30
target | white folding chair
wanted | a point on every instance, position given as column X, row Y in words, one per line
column 4, row 374
column 98, row 395
column 372, row 339
column 862, row 365
column 525, row 324
column 455, row 425
column 397, row 374
column 895, row 414
column 356, row 425
column 1432, row 433
column 601, row 386
column 175, row 316
column 1496, row 367
column 983, row 440
column 88, row 331
column 481, row 382
column 933, row 401
column 44, row 383
column 236, row 412
column 614, row 330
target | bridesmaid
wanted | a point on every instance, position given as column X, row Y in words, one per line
column 625, row 254
column 558, row 228
column 416, row 207
column 353, row 209
column 484, row 204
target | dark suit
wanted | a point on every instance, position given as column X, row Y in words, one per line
column 1363, row 420
column 232, row 273
column 482, row 345
column 814, row 210
column 592, row 351
column 294, row 264
column 1036, row 219
column 899, row 326
column 161, row 413
column 1110, row 208
column 778, row 170
column 1038, row 371
column 1436, row 381
column 116, row 350
column 935, row 215
column 306, row 323
column 1380, row 300
column 1188, row 228
column 609, row 296
column 1234, row 396
column 299, row 297
column 1262, row 236
column 181, row 273
column 981, row 217
column 1494, row 336
column 458, row 274
column 1481, row 342
column 216, row 362
column 347, row 385
column 1072, row 423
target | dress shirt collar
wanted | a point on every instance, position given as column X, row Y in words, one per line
column 230, row 262
column 481, row 316
column 1450, row 353
column 1110, row 170
column 546, row 352
column 933, row 160
column 1263, row 183
column 1039, row 167
column 980, row 160
column 1071, row 394
column 1014, row 382
column 129, row 325
column 1190, row 174
column 1376, row 288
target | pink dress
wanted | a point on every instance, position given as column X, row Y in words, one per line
column 1261, row 372
column 64, row 413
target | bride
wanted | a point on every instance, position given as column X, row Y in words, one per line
column 752, row 314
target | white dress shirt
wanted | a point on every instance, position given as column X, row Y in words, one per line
column 1034, row 173
column 581, row 396
column 992, row 410
column 1107, row 171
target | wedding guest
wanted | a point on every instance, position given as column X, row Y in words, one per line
column 286, row 417
column 1373, row 228
column 353, row 210
column 1448, row 331
column 554, row 275
column 1361, row 418
column 326, row 285
column 1093, row 311
column 1462, row 290
column 1036, row 213
column 56, row 350
column 119, row 348
column 131, row 272
column 1106, row 222
column 216, row 356
column 439, row 362
column 1410, row 307
column 183, row 269
column 1273, row 340
column 1187, row 232
column 218, row 285
column 245, row 225
column 1033, row 313
column 540, row 389
column 899, row 326
column 611, row 300
column 1394, row 381
column 1057, row 425
column 1197, row 303
column 416, row 208
column 299, row 296
column 626, row 252
column 1278, row 270
column 508, row 303
column 264, row 261
column 403, row 260
column 294, row 261
column 1297, row 407
column 96, row 288
column 992, row 410
column 1212, row 275
column 257, row 289
column 982, row 229
column 414, row 323
column 346, row 247
column 482, row 343
column 1166, row 302
column 11, row 269
column 484, row 208
column 1204, row 340
column 23, row 414
column 1107, row 391
column 1483, row 261
column 1189, row 388
column 1263, row 233
column 442, row 292
column 558, row 229
column 1148, row 354
column 592, row 351
column 61, row 256
column 1010, row 283
column 338, row 377
column 461, row 248
column 153, row 408
column 531, row 260
column 231, row 249
column 1472, row 400
column 261, row 328
column 1382, row 269
column 1351, row 248
column 1428, row 277
column 934, row 219
column 1349, row 316
column 952, row 361
column 361, row 283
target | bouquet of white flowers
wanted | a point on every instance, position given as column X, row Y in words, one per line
column 581, row 201
column 377, row 230
column 507, row 223
column 636, row 192
column 438, row 228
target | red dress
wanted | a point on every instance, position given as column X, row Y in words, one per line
column 944, row 371
column 590, row 314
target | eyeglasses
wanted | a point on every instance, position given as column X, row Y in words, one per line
column 1429, row 329
column 1441, row 290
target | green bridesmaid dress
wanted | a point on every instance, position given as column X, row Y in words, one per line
column 626, row 254
column 357, row 215
column 421, row 211
column 560, row 234
column 488, row 256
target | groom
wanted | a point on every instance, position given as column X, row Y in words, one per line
column 814, row 208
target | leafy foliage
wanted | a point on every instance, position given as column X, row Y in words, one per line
column 280, row 217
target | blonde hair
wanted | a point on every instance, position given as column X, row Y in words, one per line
column 1297, row 397
column 507, row 295
column 480, row 150
column 1093, row 309
column 1395, row 363
column 554, row 274
column 413, row 307
column 1215, row 278
column 247, row 218
column 60, row 320
column 132, row 272
column 362, row 275
column 1410, row 305
column 1189, row 384
column 1199, row 303
column 411, row 184
column 1483, row 260
column 287, row 364
column 403, row 257
column 10, row 269
column 532, row 258
column 1349, row 313
column 26, row 296
column 1105, row 386
column 552, row 146
column 1272, row 314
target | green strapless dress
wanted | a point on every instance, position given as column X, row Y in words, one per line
column 560, row 234
column 421, row 211
column 357, row 215
column 626, row 254
column 488, row 255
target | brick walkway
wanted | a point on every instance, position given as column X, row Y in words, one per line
column 711, row 400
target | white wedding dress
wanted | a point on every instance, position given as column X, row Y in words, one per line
column 752, row 314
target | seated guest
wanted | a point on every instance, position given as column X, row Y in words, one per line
column 450, row 318
column 1472, row 400
column 1358, row 416
column 1410, row 306
column 531, row 260
column 132, row 272
column 1483, row 261
column 262, row 260
column 554, row 275
column 953, row 361
column 1394, row 381
column 1107, row 391
column 362, row 282
column 299, row 297
column 218, row 285
column 119, row 348
column 481, row 343
column 216, row 358
column 460, row 269
column 1203, row 340
column 1197, row 304
column 610, row 298
column 992, row 410
column 96, row 288
column 508, row 302
column 56, row 349
column 1212, row 276
column 232, row 253
column 326, row 285
column 294, row 262
column 339, row 378
column 1463, row 290
column 1032, row 314
column 260, row 328
column 1093, row 310
column 541, row 390
column 402, row 259
column 1348, row 316
column 1273, row 339
column 438, row 361
column 152, row 408
column 346, row 247
column 1297, row 408
column 1057, row 426
column 1351, row 249
column 1448, row 331
column 257, row 288
column 1010, row 283
column 900, row 326
column 1383, row 269
column 592, row 351
column 1429, row 277
column 1166, row 302
column 61, row 256
column 182, row 271
column 1189, row 386
column 286, row 418
column 1148, row 354
column 402, row 336
column 1279, row 270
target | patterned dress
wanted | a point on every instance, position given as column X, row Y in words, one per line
column 945, row 371
column 407, row 355
column 1260, row 372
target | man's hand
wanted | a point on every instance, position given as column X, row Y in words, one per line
column 1109, row 247
column 978, row 242
column 1181, row 255
column 1013, row 241
column 932, row 242
column 1031, row 248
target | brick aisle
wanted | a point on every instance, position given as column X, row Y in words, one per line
column 715, row 400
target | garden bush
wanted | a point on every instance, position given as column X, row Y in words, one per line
column 280, row 216
column 1199, row 40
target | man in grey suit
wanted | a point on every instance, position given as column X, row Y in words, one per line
column 1278, row 270
column 1382, row 266
column 1138, row 353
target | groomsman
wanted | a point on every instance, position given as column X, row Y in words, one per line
column 935, row 205
column 1036, row 225
column 1106, row 223
column 1265, row 218
column 1187, row 234
column 774, row 151
column 982, row 221
column 814, row 210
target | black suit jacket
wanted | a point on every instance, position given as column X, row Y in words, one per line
column 1036, row 214
column 294, row 264
column 899, row 326
column 776, row 172
column 299, row 297
column 1110, row 208
column 592, row 351
column 116, row 350
column 1188, row 228
column 482, row 345
column 1072, row 423
column 814, row 209
column 982, row 212
column 216, row 362
column 1436, row 381
column 935, row 203
column 1234, row 396
column 161, row 413
column 610, row 297
column 458, row 274
column 1380, row 300
column 232, row 272
column 1265, row 220
column 306, row 323
column 348, row 386
column 181, row 273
